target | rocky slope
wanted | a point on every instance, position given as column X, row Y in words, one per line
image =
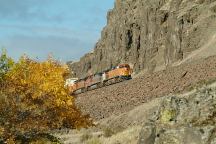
column 183, row 120
column 152, row 34
column 186, row 118
column 122, row 97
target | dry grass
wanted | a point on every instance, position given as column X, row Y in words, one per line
column 94, row 140
column 86, row 136
column 198, row 85
column 128, row 136
column 110, row 131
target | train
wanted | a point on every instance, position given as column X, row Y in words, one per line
column 111, row 76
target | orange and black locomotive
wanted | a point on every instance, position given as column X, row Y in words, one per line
column 116, row 74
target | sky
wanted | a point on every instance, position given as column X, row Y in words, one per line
column 67, row 29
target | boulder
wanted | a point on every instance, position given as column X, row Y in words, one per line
column 183, row 120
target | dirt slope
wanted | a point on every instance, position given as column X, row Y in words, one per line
column 122, row 97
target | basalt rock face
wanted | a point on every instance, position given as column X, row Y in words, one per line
column 186, row 120
column 151, row 34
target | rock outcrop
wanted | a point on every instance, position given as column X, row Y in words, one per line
column 152, row 34
column 186, row 120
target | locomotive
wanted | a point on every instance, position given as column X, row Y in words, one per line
column 111, row 76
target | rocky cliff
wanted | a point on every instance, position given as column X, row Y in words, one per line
column 152, row 34
column 185, row 120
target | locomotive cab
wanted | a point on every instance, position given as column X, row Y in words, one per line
column 125, row 71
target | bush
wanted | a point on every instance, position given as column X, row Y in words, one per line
column 38, row 139
column 6, row 64
column 167, row 115
column 33, row 98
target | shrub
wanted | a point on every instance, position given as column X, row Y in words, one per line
column 33, row 99
column 167, row 115
column 6, row 64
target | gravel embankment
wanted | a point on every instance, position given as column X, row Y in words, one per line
column 125, row 96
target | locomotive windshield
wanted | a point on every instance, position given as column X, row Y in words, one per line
column 124, row 66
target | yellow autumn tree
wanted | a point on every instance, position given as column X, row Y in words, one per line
column 33, row 100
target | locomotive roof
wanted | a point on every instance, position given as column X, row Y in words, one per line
column 100, row 73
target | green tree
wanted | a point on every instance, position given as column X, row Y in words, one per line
column 6, row 64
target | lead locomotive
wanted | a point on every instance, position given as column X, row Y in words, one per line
column 116, row 74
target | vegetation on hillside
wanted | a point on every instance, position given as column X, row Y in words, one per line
column 33, row 99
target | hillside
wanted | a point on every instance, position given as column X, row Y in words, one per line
column 186, row 118
column 115, row 99
column 171, row 45
column 153, row 35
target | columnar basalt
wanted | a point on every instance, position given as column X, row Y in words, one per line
column 151, row 35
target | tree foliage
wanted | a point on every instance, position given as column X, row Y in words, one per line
column 33, row 98
column 5, row 64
